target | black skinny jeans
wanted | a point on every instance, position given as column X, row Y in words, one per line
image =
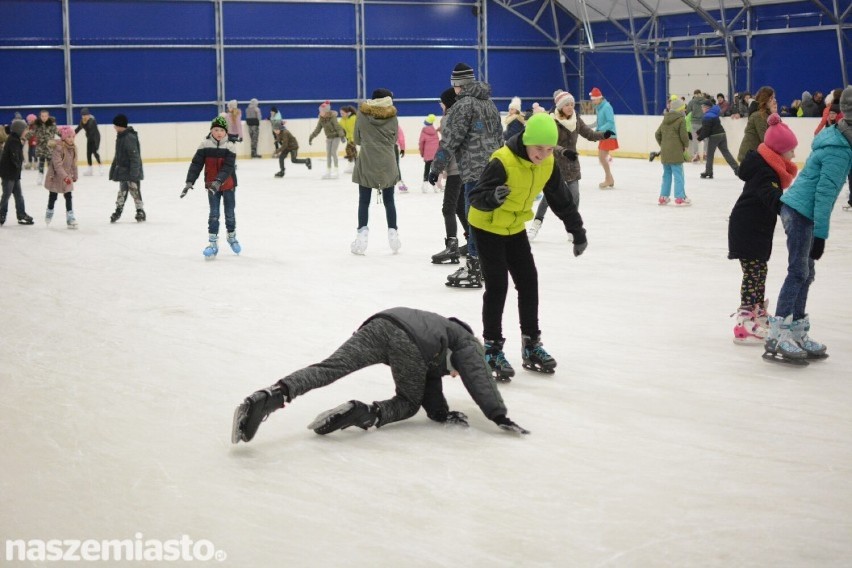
column 501, row 256
column 453, row 206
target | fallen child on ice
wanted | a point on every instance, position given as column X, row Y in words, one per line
column 420, row 347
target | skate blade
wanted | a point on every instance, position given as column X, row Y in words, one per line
column 785, row 360
column 817, row 356
column 324, row 423
column 502, row 378
column 240, row 414
column 446, row 261
column 749, row 341
column 456, row 285
column 539, row 369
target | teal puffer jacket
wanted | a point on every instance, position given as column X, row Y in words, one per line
column 815, row 191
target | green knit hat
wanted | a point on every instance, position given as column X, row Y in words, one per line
column 220, row 122
column 540, row 131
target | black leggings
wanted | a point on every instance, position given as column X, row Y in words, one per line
column 427, row 165
column 453, row 206
column 753, row 288
column 501, row 256
column 51, row 200
column 92, row 150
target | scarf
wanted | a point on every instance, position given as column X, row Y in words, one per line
column 569, row 123
column 785, row 169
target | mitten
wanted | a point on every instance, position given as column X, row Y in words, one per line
column 817, row 248
column 214, row 187
column 570, row 154
column 689, row 135
column 608, row 133
column 498, row 195
column 186, row 188
column 503, row 422
column 433, row 177
column 401, row 153
column 67, row 181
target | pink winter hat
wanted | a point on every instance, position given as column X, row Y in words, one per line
column 31, row 118
column 325, row 107
column 779, row 138
column 65, row 132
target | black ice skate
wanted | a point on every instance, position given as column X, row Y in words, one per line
column 450, row 254
column 535, row 357
column 116, row 215
column 255, row 409
column 352, row 413
column 140, row 215
column 469, row 276
column 501, row 370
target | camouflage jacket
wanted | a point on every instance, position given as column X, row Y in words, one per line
column 471, row 131
column 44, row 132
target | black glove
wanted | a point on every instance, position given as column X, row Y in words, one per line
column 689, row 134
column 817, row 248
column 186, row 188
column 498, row 195
column 608, row 133
column 503, row 422
column 214, row 187
column 433, row 177
column 570, row 154
column 456, row 417
column 402, row 153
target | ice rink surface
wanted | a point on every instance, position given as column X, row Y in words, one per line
column 658, row 442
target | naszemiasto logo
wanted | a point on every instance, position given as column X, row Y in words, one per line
column 136, row 549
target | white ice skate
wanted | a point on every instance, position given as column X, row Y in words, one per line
column 532, row 231
column 70, row 220
column 393, row 240
column 359, row 245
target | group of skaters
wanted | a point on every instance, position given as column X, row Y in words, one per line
column 55, row 157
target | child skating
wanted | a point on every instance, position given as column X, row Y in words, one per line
column 767, row 172
column 806, row 214
column 217, row 157
column 334, row 134
column 126, row 169
column 11, row 163
column 61, row 175
column 673, row 139
column 428, row 145
column 288, row 145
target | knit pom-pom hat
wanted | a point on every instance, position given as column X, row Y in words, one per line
column 562, row 98
column 779, row 138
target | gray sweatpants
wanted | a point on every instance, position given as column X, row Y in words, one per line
column 380, row 341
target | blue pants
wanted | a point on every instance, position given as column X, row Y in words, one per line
column 793, row 298
column 364, row 194
column 669, row 171
column 230, row 199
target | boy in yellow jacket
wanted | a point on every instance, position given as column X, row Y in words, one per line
column 500, row 205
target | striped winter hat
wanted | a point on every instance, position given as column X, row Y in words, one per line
column 462, row 75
